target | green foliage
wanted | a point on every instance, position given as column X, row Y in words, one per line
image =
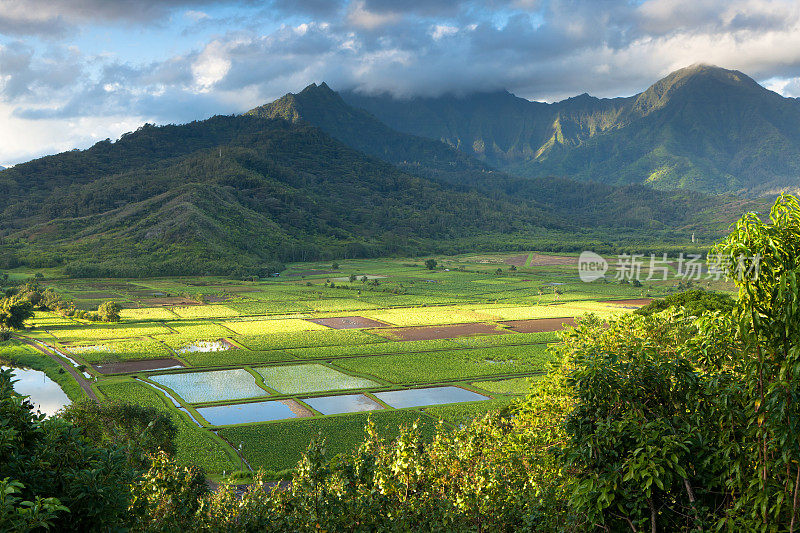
column 646, row 447
column 764, row 261
column 194, row 445
column 141, row 430
column 167, row 497
column 694, row 301
column 14, row 311
column 109, row 311
column 51, row 465
column 343, row 434
column 430, row 264
column 24, row 516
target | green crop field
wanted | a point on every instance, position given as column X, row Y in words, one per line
column 450, row 365
column 279, row 445
column 117, row 350
column 292, row 379
column 252, row 341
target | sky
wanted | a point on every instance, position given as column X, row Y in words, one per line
column 73, row 72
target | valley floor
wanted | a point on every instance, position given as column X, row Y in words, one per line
column 253, row 371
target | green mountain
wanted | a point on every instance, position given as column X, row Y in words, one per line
column 230, row 191
column 701, row 128
column 320, row 106
column 243, row 194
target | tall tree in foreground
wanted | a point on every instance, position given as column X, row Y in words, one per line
column 764, row 261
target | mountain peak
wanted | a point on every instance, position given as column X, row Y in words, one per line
column 314, row 88
column 693, row 80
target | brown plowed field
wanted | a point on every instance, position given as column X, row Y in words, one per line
column 553, row 260
column 539, row 325
column 348, row 322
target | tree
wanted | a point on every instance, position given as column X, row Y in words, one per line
column 352, row 278
column 109, row 311
column 140, row 430
column 14, row 312
column 49, row 463
column 430, row 264
column 763, row 259
column 647, row 447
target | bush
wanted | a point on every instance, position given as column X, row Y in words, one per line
column 694, row 301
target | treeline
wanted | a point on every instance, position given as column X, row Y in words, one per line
column 19, row 302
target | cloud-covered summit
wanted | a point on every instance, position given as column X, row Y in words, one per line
column 75, row 71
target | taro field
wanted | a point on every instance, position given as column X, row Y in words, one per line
column 252, row 371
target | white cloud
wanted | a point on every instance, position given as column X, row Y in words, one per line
column 360, row 17
column 211, row 66
column 442, row 30
column 22, row 140
column 196, row 16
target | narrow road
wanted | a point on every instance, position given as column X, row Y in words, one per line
column 82, row 381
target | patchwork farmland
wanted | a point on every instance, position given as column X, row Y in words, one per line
column 251, row 372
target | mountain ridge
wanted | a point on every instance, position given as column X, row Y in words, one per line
column 241, row 194
column 321, row 107
column 702, row 127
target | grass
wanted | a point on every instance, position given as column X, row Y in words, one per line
column 507, row 340
column 205, row 311
column 556, row 310
column 423, row 316
column 339, row 304
column 122, row 350
column 374, row 349
column 450, row 365
column 265, row 327
column 88, row 332
column 148, row 313
column 293, row 379
column 304, row 339
column 279, row 445
column 514, row 386
column 235, row 357
column 462, row 413
column 196, row 446
column 196, row 330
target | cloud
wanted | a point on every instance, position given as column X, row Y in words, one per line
column 54, row 17
column 248, row 54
